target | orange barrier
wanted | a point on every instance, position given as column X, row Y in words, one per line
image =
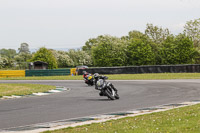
column 12, row 73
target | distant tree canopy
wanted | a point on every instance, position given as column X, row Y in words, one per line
column 192, row 29
column 156, row 46
column 110, row 51
column 157, row 34
column 5, row 62
column 80, row 57
column 45, row 55
column 24, row 48
column 7, row 58
column 10, row 53
column 178, row 50
column 140, row 53
column 62, row 58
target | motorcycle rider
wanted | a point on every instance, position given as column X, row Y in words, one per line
column 88, row 78
column 96, row 78
column 85, row 74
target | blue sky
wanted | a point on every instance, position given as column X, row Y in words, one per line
column 70, row 23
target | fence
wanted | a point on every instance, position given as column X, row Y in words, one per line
column 12, row 73
column 49, row 72
column 145, row 69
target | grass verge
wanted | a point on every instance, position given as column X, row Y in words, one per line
column 180, row 120
column 22, row 89
column 153, row 76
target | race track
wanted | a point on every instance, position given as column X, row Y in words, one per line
column 83, row 100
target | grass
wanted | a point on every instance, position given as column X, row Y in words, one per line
column 22, row 89
column 180, row 120
column 153, row 76
column 45, row 78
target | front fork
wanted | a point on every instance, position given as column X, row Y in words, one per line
column 113, row 87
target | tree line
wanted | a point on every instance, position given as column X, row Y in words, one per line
column 156, row 46
column 11, row 59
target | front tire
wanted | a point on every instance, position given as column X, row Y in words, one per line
column 116, row 96
column 109, row 94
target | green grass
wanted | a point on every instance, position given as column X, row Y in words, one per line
column 22, row 89
column 45, row 78
column 180, row 120
column 154, row 76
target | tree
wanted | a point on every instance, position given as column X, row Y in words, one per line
column 5, row 62
column 89, row 44
column 62, row 58
column 185, row 49
column 22, row 59
column 192, row 29
column 135, row 35
column 7, row 57
column 110, row 51
column 45, row 55
column 178, row 50
column 140, row 53
column 80, row 57
column 157, row 34
column 92, row 42
column 24, row 47
column 10, row 53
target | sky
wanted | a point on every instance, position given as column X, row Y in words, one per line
column 70, row 23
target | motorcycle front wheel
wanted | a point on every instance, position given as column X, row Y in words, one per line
column 109, row 93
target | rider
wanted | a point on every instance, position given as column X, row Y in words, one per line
column 96, row 78
column 85, row 74
column 88, row 78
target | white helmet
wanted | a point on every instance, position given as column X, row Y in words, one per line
column 96, row 75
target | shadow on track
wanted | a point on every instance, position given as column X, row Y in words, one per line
column 98, row 100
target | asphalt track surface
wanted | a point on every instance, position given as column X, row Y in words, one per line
column 83, row 100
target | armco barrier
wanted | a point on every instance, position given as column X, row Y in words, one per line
column 12, row 73
column 145, row 69
column 49, row 72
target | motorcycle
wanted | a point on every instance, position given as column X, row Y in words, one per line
column 88, row 78
column 106, row 88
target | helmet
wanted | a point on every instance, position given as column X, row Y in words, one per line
column 96, row 75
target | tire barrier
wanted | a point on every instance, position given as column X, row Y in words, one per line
column 12, row 73
column 49, row 72
column 144, row 69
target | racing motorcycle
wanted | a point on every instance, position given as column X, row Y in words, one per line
column 105, row 88
column 88, row 78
